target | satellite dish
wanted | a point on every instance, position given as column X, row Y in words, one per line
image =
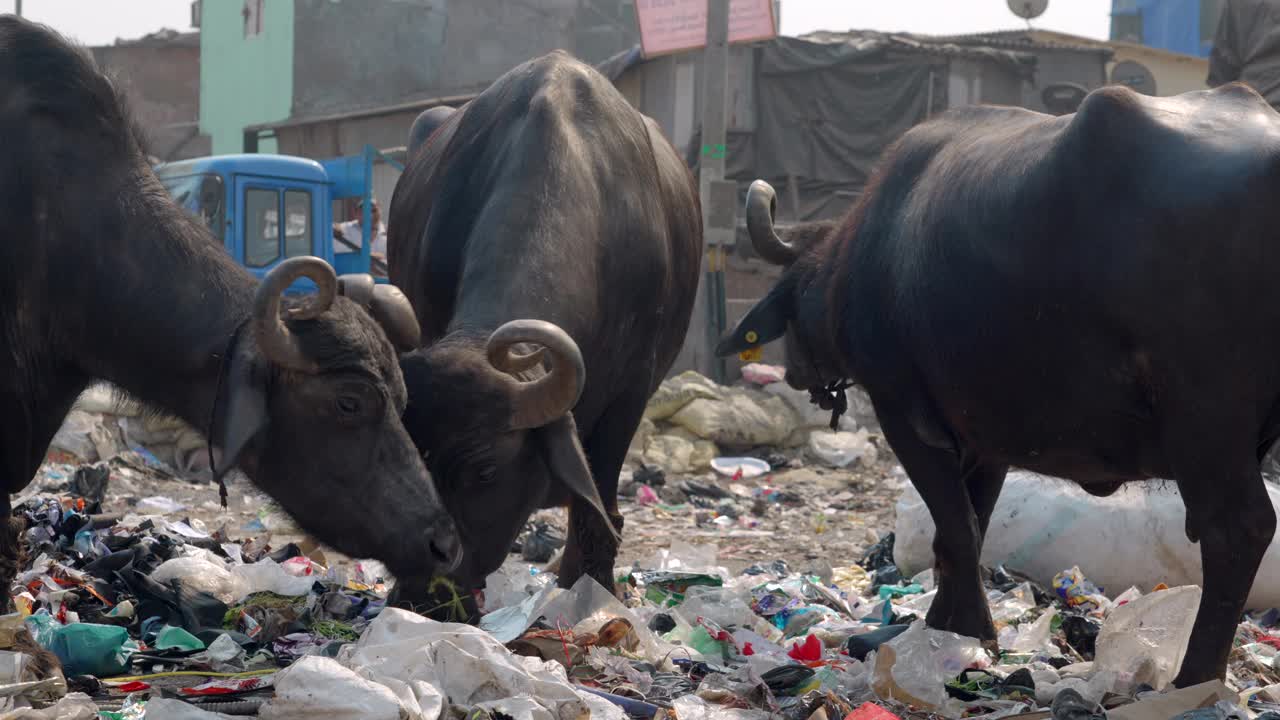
column 1028, row 9
column 1135, row 75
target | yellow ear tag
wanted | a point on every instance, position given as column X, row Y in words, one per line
column 752, row 355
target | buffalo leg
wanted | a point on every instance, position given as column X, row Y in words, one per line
column 24, row 439
column 590, row 548
column 950, row 494
column 1230, row 514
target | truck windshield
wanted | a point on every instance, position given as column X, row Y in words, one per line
column 201, row 194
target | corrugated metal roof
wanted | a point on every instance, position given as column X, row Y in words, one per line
column 1025, row 40
column 906, row 42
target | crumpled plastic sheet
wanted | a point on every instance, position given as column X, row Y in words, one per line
column 405, row 666
column 170, row 709
column 916, row 665
column 74, row 706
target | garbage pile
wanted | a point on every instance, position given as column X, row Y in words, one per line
column 691, row 420
column 104, row 424
column 156, row 615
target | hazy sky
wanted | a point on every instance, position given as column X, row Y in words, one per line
column 99, row 22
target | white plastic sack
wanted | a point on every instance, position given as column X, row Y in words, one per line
column 1043, row 525
column 74, row 435
column 315, row 687
column 842, row 449
column 1144, row 641
column 738, row 420
column 676, row 392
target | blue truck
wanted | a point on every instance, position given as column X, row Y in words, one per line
column 242, row 198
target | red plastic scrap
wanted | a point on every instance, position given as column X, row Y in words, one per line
column 810, row 651
column 870, row 711
column 132, row 687
column 1271, row 640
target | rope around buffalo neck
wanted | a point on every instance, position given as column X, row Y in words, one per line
column 832, row 397
column 213, row 412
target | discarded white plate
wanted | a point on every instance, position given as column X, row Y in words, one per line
column 750, row 467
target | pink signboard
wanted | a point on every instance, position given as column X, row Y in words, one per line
column 668, row 26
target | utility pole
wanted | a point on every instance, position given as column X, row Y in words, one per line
column 719, row 198
column 17, row 7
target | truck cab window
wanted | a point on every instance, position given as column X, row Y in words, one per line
column 261, row 227
column 297, row 229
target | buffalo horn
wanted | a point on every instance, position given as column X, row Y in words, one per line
column 388, row 305
column 277, row 342
column 551, row 396
column 394, row 313
column 762, row 202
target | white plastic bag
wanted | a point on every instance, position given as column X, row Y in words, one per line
column 1042, row 525
column 200, row 574
column 919, row 663
column 315, row 687
column 268, row 576
column 1144, row 641
column 842, row 449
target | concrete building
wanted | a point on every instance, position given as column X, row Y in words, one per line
column 319, row 65
column 1186, row 27
column 160, row 74
column 1063, row 57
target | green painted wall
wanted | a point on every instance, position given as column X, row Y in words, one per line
column 244, row 80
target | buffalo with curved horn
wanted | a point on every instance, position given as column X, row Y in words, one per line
column 120, row 284
column 549, row 238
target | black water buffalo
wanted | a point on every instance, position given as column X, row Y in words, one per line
column 1090, row 296
column 549, row 238
column 106, row 278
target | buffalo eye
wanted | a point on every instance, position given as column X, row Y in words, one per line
column 488, row 475
column 349, row 405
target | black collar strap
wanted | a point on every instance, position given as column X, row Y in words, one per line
column 213, row 412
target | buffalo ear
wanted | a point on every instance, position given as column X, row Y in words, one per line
column 568, row 464
column 764, row 323
column 244, row 399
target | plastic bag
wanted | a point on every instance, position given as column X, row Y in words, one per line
column 915, row 666
column 200, row 574
column 761, row 374
column 692, row 707
column 1030, row 637
column 269, row 576
column 1013, row 604
column 321, row 687
column 1041, row 525
column 424, row 662
column 842, row 449
column 91, row 649
column 1144, row 641
column 74, row 706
